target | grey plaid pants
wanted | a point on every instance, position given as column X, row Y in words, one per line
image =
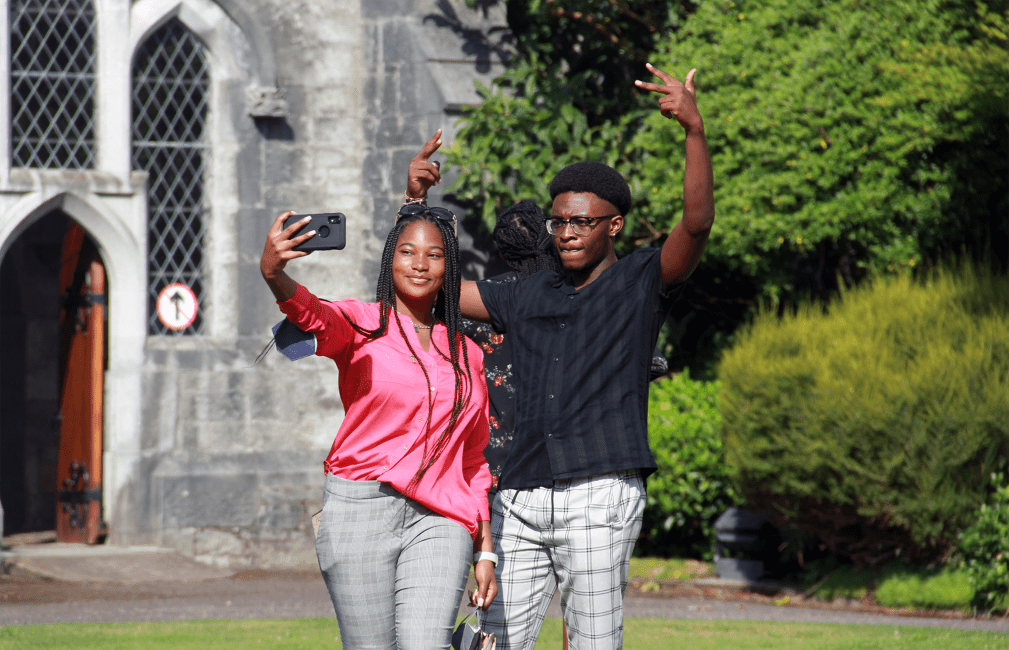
column 578, row 536
column 395, row 570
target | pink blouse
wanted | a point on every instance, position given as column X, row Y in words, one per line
column 382, row 387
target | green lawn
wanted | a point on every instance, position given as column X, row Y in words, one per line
column 896, row 585
column 640, row 634
column 655, row 568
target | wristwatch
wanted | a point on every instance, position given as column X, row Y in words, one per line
column 485, row 555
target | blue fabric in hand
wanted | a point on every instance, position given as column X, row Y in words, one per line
column 293, row 342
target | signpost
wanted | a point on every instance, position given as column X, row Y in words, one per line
column 177, row 306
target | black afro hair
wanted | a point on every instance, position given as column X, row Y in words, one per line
column 597, row 178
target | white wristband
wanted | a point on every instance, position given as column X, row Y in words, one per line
column 485, row 555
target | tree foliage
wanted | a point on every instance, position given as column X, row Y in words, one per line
column 848, row 138
column 597, row 46
column 832, row 150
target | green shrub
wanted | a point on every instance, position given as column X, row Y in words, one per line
column 984, row 549
column 897, row 584
column 875, row 424
column 931, row 589
column 828, row 579
column 691, row 488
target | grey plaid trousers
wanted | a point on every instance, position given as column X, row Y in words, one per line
column 578, row 536
column 395, row 570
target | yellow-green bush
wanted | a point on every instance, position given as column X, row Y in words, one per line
column 874, row 424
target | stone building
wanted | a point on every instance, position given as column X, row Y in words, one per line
column 151, row 144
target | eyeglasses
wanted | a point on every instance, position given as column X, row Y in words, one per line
column 581, row 225
column 414, row 210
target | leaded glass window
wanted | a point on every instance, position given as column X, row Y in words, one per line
column 52, row 83
column 170, row 95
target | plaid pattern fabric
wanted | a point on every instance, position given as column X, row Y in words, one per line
column 577, row 536
column 395, row 570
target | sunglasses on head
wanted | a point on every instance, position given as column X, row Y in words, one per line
column 414, row 210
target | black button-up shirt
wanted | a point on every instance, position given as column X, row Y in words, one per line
column 581, row 361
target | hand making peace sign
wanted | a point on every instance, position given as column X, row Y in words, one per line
column 679, row 99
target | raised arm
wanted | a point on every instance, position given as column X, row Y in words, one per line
column 683, row 248
column 422, row 174
column 420, row 177
column 278, row 251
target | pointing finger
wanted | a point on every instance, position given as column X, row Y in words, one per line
column 430, row 146
column 689, row 83
column 668, row 79
column 655, row 88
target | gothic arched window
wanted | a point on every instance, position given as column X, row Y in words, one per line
column 170, row 96
column 52, row 44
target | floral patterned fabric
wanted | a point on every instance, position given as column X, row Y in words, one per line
column 500, row 386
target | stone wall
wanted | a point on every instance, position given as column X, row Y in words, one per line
column 315, row 106
column 232, row 452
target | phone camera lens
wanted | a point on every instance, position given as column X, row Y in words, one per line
column 334, row 218
column 324, row 231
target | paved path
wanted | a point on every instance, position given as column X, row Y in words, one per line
column 103, row 584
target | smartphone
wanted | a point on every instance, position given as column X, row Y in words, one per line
column 330, row 231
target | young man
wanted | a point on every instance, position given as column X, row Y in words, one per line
column 572, row 491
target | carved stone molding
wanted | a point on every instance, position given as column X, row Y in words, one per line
column 267, row 102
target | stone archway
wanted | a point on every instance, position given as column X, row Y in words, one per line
column 29, row 375
column 31, row 234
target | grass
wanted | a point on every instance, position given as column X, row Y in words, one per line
column 844, row 582
column 653, row 568
column 898, row 585
column 640, row 634
column 947, row 589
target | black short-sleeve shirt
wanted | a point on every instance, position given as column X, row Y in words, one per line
column 581, row 359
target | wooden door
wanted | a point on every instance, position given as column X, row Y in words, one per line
column 82, row 374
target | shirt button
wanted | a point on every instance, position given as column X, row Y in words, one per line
column 563, row 325
column 557, row 358
column 551, row 397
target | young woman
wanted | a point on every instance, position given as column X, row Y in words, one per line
column 405, row 503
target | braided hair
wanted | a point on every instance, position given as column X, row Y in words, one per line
column 446, row 310
column 523, row 241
